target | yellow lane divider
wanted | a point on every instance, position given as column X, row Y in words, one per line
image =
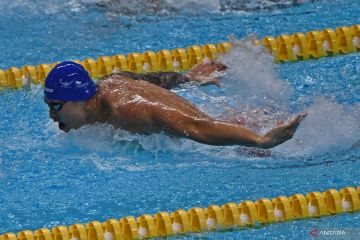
column 297, row 46
column 229, row 215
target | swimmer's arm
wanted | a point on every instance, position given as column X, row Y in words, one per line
column 212, row 132
column 202, row 73
column 204, row 81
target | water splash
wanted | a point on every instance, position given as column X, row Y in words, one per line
column 253, row 75
column 329, row 127
column 42, row 7
column 88, row 139
column 195, row 6
column 160, row 7
column 250, row 5
column 106, row 141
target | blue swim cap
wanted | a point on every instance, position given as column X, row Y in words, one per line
column 69, row 81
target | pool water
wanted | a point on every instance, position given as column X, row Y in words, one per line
column 49, row 178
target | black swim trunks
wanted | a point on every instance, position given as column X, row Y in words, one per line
column 167, row 80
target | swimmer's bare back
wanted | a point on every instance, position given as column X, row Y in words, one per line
column 200, row 75
column 142, row 107
column 167, row 80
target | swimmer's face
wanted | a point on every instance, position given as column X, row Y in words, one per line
column 68, row 114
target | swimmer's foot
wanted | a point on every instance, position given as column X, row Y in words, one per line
column 282, row 133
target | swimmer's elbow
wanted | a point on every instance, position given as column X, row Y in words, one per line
column 203, row 131
column 195, row 129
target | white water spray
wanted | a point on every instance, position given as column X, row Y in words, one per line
column 328, row 127
column 253, row 75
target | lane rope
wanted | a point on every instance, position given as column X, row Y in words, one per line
column 297, row 46
column 240, row 215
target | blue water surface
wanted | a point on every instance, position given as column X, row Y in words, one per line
column 49, row 178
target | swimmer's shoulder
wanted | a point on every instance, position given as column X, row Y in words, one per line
column 113, row 80
column 117, row 87
column 113, row 76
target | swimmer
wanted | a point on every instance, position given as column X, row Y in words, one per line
column 75, row 100
column 201, row 74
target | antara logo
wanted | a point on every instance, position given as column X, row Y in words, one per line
column 314, row 233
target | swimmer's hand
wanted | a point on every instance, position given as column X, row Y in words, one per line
column 204, row 81
column 282, row 133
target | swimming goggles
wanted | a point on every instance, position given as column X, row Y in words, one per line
column 57, row 106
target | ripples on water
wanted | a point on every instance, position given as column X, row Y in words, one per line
column 160, row 7
column 135, row 7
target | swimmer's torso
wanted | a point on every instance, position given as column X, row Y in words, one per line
column 136, row 105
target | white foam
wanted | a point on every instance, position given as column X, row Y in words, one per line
column 165, row 7
column 206, row 60
column 95, row 138
column 253, row 75
column 94, row 1
column 328, row 127
column 194, row 5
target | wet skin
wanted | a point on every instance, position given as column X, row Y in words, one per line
column 141, row 107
